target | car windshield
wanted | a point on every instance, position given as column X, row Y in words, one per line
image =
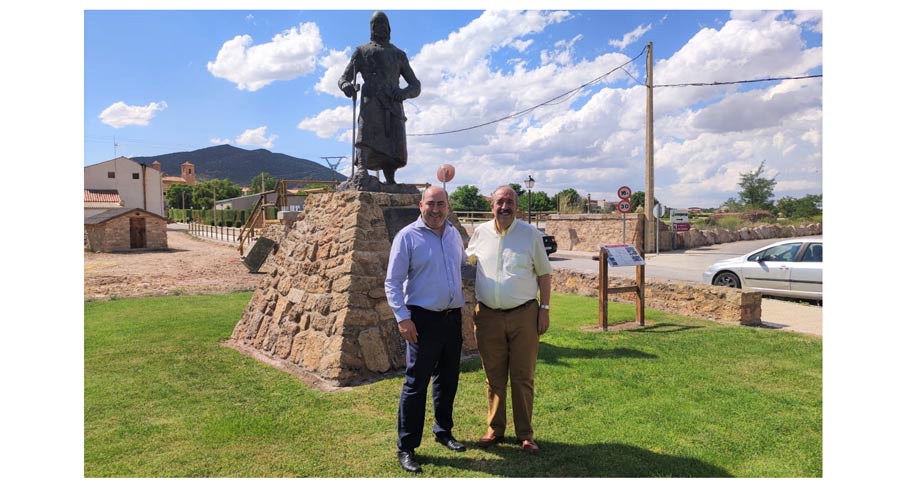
column 784, row 252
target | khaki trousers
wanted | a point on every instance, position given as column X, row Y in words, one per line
column 508, row 345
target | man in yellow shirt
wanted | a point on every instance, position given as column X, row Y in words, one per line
column 512, row 270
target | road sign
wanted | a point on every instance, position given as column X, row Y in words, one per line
column 624, row 192
column 623, row 206
column 445, row 173
column 658, row 211
column 679, row 216
column 682, row 227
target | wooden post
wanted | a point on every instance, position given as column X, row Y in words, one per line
column 603, row 288
column 641, row 293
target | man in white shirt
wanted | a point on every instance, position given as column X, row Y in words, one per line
column 512, row 270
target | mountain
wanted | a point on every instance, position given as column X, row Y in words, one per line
column 241, row 165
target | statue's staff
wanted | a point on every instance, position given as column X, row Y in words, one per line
column 355, row 94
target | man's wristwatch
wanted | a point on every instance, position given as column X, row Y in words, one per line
column 544, row 307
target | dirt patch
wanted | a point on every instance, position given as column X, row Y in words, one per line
column 190, row 266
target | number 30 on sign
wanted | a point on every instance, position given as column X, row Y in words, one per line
column 623, row 206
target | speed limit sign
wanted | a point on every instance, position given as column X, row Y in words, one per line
column 624, row 192
column 623, row 206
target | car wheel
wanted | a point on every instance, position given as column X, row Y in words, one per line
column 726, row 278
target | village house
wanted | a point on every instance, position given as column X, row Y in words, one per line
column 122, row 183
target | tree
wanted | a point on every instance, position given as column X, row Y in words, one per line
column 540, row 202
column 756, row 190
column 799, row 208
column 179, row 196
column 638, row 199
column 517, row 188
column 467, row 198
column 732, row 205
column 270, row 182
column 569, row 201
column 203, row 193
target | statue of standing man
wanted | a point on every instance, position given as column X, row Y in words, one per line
column 381, row 139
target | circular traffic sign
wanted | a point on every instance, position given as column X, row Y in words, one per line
column 623, row 206
column 624, row 192
column 658, row 210
column 445, row 173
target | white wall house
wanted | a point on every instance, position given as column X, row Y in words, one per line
column 136, row 185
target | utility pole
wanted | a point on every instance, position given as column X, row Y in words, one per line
column 650, row 158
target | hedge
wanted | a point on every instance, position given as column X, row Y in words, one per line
column 228, row 218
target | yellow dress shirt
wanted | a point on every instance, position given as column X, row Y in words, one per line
column 508, row 263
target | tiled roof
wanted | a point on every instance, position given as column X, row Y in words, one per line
column 115, row 212
column 105, row 196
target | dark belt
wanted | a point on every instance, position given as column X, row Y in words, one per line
column 508, row 309
column 437, row 312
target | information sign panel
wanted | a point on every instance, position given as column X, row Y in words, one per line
column 623, row 255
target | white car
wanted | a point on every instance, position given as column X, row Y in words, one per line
column 791, row 268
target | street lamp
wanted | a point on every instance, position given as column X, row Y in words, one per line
column 529, row 184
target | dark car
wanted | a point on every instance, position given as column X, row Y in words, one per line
column 550, row 244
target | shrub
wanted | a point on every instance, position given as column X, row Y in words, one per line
column 759, row 216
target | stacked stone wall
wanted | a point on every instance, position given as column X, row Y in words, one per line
column 585, row 232
column 113, row 235
column 721, row 304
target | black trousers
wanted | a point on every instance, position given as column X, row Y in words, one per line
column 436, row 358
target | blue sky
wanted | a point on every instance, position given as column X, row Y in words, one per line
column 167, row 81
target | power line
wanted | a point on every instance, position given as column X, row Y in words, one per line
column 716, row 83
column 567, row 95
column 530, row 109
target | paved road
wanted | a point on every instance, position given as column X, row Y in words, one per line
column 688, row 265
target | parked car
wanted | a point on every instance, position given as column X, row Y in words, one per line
column 791, row 268
column 550, row 244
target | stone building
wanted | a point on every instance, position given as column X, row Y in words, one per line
column 186, row 177
column 124, row 229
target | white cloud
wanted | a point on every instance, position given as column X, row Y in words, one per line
column 329, row 122
column 120, row 115
column 563, row 52
column 630, row 37
column 594, row 142
column 521, row 45
column 811, row 19
column 334, row 64
column 218, row 140
column 257, row 137
column 290, row 54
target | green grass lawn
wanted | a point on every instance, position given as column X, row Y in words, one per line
column 678, row 398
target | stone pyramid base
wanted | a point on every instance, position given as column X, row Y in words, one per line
column 321, row 310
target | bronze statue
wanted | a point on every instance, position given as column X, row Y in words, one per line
column 381, row 139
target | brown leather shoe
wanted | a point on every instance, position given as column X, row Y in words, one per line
column 529, row 446
column 488, row 440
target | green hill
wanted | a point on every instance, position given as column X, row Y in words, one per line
column 241, row 165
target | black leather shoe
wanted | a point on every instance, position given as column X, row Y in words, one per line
column 408, row 461
column 450, row 443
